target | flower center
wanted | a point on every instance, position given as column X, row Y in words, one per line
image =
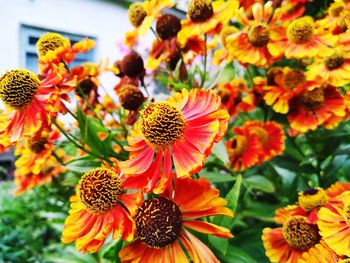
column 258, row 35
column 334, row 61
column 312, row 199
column 300, row 31
column 335, row 9
column 168, row 26
column 158, row 222
column 293, row 78
column 38, row 145
column 99, row 190
column 312, row 99
column 162, row 123
column 200, row 10
column 136, row 14
column 49, row 41
column 86, row 86
column 18, row 87
column 130, row 97
column 260, row 133
column 238, row 145
column 299, row 233
column 346, row 213
column 132, row 65
column 272, row 74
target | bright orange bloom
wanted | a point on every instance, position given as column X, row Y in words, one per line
column 333, row 69
column 53, row 48
column 313, row 105
column 270, row 135
column 162, row 224
column 235, row 96
column 334, row 224
column 281, row 87
column 250, row 44
column 321, row 253
column 206, row 17
column 180, row 131
column 28, row 104
column 141, row 16
column 287, row 244
column 222, row 54
column 100, row 207
column 301, row 40
column 243, row 150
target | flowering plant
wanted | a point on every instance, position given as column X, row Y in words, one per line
column 243, row 160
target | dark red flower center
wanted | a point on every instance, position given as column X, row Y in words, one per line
column 200, row 10
column 168, row 26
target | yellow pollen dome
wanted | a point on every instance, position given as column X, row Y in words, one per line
column 99, row 190
column 162, row 123
column 258, row 35
column 158, row 222
column 238, row 145
column 299, row 233
column 300, row 31
column 334, row 61
column 293, row 78
column 312, row 199
column 136, row 14
column 17, row 88
column 200, row 10
column 261, row 133
column 312, row 99
column 49, row 41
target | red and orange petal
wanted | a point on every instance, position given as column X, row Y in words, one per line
column 332, row 222
column 243, row 151
column 271, row 136
column 205, row 124
column 320, row 253
column 303, row 119
column 337, row 189
column 317, row 45
column 89, row 230
column 222, row 14
column 281, row 214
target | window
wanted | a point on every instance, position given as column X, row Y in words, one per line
column 29, row 37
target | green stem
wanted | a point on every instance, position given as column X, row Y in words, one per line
column 205, row 62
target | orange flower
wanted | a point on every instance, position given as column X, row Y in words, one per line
column 180, row 131
column 301, row 40
column 334, row 224
column 234, row 96
column 222, row 54
column 313, row 105
column 27, row 101
column 270, row 135
column 100, row 207
column 53, row 48
column 251, row 44
column 281, row 87
column 206, row 17
column 243, row 150
column 141, row 16
column 333, row 69
column 162, row 224
column 287, row 244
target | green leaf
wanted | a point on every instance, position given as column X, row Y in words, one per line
column 237, row 255
column 260, row 183
column 109, row 251
column 216, row 177
column 219, row 150
column 219, row 244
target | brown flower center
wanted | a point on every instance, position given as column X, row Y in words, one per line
column 299, row 233
column 158, row 222
column 99, row 190
column 18, row 87
column 301, row 30
column 346, row 213
column 312, row 199
column 258, row 35
column 132, row 65
column 312, row 99
column 49, row 41
column 86, row 86
column 168, row 26
column 136, row 14
column 334, row 61
column 272, row 74
column 38, row 146
column 293, row 78
column 162, row 124
column 335, row 9
column 200, row 10
column 130, row 97
column 260, row 133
